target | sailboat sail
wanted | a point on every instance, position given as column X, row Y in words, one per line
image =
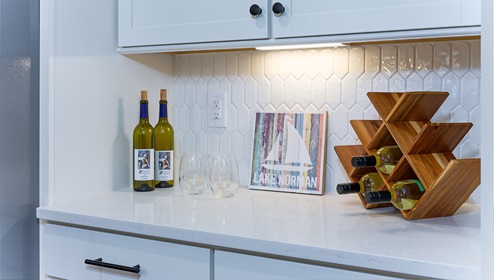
column 274, row 152
column 296, row 152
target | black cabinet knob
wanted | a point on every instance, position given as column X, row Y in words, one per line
column 278, row 9
column 255, row 10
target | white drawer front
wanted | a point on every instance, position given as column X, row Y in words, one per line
column 66, row 249
column 233, row 266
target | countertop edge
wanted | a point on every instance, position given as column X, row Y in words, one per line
column 215, row 240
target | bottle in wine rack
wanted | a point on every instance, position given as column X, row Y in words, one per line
column 367, row 183
column 163, row 140
column 402, row 194
column 385, row 159
column 143, row 143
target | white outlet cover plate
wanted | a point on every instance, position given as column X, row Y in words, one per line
column 223, row 108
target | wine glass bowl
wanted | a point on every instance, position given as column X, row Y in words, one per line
column 223, row 175
column 193, row 173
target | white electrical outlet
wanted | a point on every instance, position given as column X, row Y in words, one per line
column 217, row 108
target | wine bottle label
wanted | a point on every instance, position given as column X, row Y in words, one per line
column 164, row 165
column 144, row 164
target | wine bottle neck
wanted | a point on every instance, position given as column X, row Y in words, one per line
column 163, row 110
column 364, row 161
column 377, row 197
column 346, row 188
column 144, row 114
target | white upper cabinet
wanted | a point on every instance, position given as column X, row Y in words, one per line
column 161, row 25
column 323, row 17
column 164, row 22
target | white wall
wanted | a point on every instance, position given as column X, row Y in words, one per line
column 94, row 100
column 95, row 95
column 333, row 80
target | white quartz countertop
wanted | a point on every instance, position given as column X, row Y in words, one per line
column 334, row 229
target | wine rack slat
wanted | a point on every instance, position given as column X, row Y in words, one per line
column 381, row 138
column 453, row 187
column 384, row 102
column 427, row 149
column 416, row 106
column 405, row 132
column 430, row 166
column 401, row 170
column 439, row 138
column 365, row 130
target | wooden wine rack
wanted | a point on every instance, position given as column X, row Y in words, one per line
column 427, row 151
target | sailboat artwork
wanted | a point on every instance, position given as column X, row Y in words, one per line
column 289, row 152
column 295, row 151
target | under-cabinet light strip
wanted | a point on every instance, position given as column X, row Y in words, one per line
column 301, row 46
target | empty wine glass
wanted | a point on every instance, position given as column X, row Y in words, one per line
column 193, row 173
column 223, row 175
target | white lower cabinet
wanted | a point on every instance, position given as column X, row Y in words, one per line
column 67, row 248
column 234, row 266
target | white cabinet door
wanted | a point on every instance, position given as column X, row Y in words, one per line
column 323, row 17
column 233, row 266
column 163, row 22
column 67, row 248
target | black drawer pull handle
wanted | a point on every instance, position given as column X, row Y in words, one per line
column 99, row 262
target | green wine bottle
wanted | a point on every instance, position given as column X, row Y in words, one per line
column 367, row 183
column 163, row 140
column 385, row 159
column 143, row 149
column 402, row 194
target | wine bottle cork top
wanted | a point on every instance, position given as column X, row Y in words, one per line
column 144, row 95
column 163, row 94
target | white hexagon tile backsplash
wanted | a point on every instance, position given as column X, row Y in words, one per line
column 334, row 80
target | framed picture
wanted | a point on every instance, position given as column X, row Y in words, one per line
column 289, row 152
